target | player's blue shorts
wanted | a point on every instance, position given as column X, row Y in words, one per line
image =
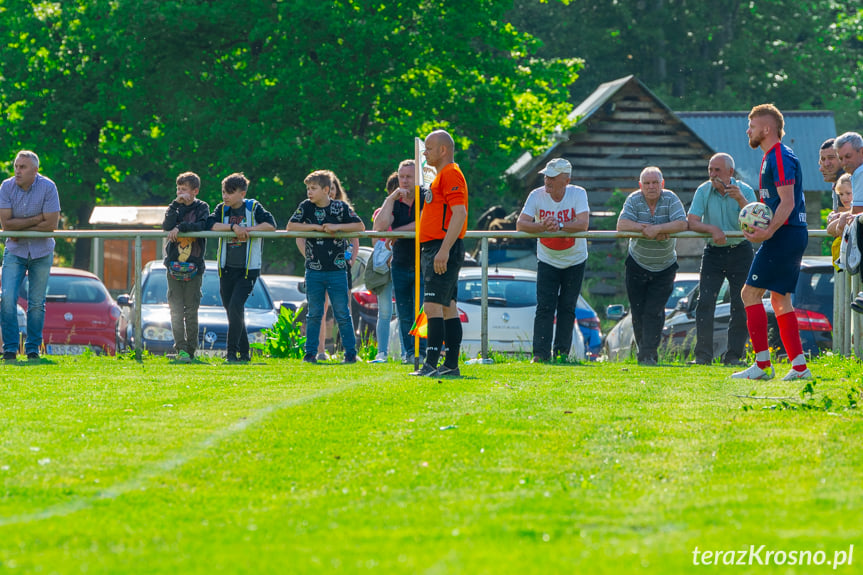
column 777, row 262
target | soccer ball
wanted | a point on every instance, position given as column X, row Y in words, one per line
column 755, row 216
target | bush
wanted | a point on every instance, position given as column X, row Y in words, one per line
column 285, row 338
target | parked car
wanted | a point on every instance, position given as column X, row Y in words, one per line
column 285, row 290
column 620, row 341
column 80, row 314
column 511, row 311
column 261, row 313
column 813, row 305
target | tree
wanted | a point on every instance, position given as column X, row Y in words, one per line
column 119, row 96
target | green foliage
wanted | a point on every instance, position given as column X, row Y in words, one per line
column 118, row 97
column 724, row 55
column 284, row 339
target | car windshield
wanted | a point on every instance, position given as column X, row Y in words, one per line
column 284, row 290
column 502, row 292
column 156, row 291
column 71, row 289
column 681, row 288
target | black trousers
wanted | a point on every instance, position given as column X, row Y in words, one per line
column 556, row 294
column 717, row 264
column 648, row 291
column 235, row 289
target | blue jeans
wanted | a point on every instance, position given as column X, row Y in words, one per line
column 403, row 286
column 385, row 316
column 38, row 271
column 335, row 284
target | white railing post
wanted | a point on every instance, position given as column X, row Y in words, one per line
column 139, row 331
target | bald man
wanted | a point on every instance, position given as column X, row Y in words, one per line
column 443, row 223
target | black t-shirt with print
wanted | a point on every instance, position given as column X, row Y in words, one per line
column 236, row 250
column 325, row 254
column 403, row 249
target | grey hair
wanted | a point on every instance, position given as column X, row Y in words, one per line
column 650, row 170
column 853, row 138
column 729, row 161
column 29, row 154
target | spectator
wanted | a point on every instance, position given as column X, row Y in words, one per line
column 29, row 202
column 714, row 210
column 836, row 221
column 558, row 206
column 326, row 269
column 240, row 258
column 849, row 147
column 184, row 262
column 651, row 265
column 384, row 292
column 828, row 165
column 397, row 213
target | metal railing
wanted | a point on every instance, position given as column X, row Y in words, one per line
column 846, row 326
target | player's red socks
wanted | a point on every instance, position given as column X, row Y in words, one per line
column 756, row 321
column 790, row 334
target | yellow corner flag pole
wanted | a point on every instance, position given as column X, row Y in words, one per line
column 419, row 148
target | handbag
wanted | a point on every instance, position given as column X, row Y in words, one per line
column 182, row 271
column 377, row 274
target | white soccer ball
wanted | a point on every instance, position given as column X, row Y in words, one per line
column 755, row 216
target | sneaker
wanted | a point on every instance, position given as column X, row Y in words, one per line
column 310, row 358
column 9, row 356
column 184, row 357
column 425, row 371
column 538, row 359
column 408, row 360
column 323, row 356
column 350, row 359
column 381, row 357
column 647, row 361
column 794, row 374
column 755, row 372
column 33, row 356
column 444, row 371
column 857, row 304
column 244, row 358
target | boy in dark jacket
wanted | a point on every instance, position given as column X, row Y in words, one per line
column 184, row 260
column 239, row 257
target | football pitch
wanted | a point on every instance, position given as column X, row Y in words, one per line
column 115, row 466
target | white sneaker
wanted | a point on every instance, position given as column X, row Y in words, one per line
column 755, row 372
column 794, row 374
column 381, row 357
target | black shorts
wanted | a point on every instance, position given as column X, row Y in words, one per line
column 441, row 288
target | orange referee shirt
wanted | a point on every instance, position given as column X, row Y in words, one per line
column 448, row 189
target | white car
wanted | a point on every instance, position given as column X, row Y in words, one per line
column 511, row 311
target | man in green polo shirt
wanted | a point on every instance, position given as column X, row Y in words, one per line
column 714, row 211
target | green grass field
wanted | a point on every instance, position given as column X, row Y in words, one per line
column 114, row 466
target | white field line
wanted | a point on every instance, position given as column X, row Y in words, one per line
column 167, row 465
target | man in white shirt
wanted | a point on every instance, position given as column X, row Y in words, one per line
column 849, row 148
column 558, row 206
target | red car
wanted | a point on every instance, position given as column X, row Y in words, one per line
column 79, row 313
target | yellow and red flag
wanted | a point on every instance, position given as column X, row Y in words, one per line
column 421, row 325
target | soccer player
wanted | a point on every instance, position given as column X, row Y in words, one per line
column 777, row 262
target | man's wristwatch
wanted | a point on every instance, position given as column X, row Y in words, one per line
column 560, row 226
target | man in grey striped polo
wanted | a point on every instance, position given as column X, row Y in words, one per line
column 652, row 262
column 29, row 202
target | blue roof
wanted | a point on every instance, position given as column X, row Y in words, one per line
column 804, row 133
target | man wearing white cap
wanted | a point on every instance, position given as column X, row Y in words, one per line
column 558, row 206
column 652, row 263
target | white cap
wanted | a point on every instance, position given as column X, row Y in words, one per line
column 556, row 167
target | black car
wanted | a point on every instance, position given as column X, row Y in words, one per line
column 813, row 305
column 212, row 319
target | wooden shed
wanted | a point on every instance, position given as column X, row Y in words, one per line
column 616, row 132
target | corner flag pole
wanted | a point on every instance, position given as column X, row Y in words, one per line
column 419, row 148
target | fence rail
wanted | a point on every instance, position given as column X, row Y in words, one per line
column 846, row 326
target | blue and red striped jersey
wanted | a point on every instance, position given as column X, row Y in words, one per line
column 780, row 167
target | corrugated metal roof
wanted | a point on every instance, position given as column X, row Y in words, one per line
column 804, row 133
